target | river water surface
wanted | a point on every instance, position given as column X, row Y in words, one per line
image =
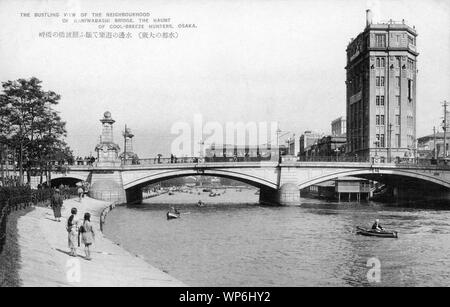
column 237, row 242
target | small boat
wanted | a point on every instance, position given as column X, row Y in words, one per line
column 201, row 204
column 171, row 215
column 374, row 233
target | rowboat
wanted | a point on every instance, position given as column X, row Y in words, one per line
column 375, row 233
column 171, row 215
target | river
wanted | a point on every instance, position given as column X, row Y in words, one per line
column 234, row 241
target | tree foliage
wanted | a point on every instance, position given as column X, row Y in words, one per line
column 30, row 127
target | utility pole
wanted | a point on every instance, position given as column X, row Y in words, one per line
column 125, row 145
column 434, row 142
column 278, row 144
column 445, row 129
column 390, row 144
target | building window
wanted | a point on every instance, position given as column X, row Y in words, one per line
column 410, row 64
column 380, row 62
column 382, row 81
column 397, row 120
column 397, row 81
column 382, row 140
column 410, row 89
column 382, row 119
column 411, row 40
column 380, row 40
column 397, row 101
column 398, row 141
column 377, row 80
column 378, row 140
column 377, row 120
column 382, row 100
column 377, row 100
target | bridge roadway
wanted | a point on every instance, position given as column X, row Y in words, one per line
column 279, row 182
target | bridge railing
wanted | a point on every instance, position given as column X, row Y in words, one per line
column 403, row 162
column 193, row 160
column 332, row 159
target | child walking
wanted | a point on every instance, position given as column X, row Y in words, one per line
column 87, row 235
column 72, row 229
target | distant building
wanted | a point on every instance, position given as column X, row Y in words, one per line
column 227, row 153
column 381, row 90
column 293, row 146
column 307, row 140
column 426, row 146
column 329, row 146
column 339, row 126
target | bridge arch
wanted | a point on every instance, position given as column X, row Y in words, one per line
column 250, row 179
column 377, row 175
column 66, row 180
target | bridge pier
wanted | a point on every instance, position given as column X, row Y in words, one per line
column 134, row 195
column 287, row 195
column 107, row 185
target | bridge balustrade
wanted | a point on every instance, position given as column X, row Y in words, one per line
column 193, row 160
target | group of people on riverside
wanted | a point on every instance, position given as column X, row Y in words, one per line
column 78, row 231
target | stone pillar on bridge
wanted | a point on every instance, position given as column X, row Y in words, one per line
column 106, row 179
column 107, row 150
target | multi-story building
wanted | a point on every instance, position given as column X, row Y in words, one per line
column 432, row 146
column 220, row 153
column 339, row 126
column 327, row 147
column 293, row 146
column 307, row 140
column 381, row 91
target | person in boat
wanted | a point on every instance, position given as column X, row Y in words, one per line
column 175, row 210
column 376, row 226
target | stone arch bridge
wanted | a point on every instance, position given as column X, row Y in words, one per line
column 279, row 182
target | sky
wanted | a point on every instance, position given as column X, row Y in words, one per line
column 246, row 61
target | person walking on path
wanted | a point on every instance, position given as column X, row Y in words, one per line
column 80, row 193
column 72, row 230
column 87, row 235
column 57, row 202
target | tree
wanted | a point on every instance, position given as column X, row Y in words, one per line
column 34, row 130
column 4, row 133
